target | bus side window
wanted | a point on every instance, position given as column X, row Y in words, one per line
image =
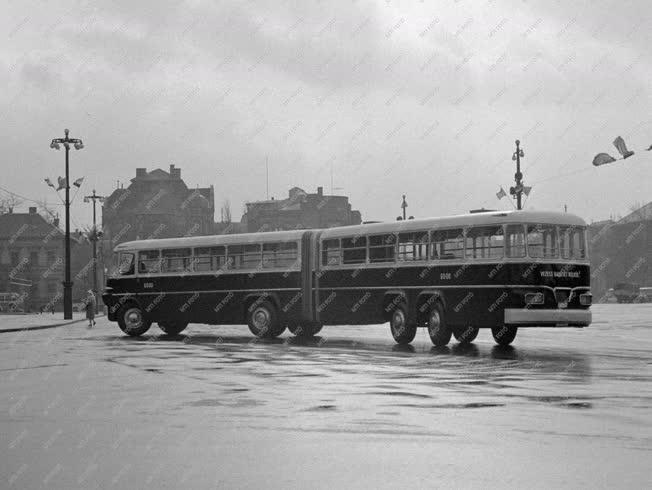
column 447, row 244
column 330, row 252
column 280, row 255
column 149, row 261
column 542, row 241
column 413, row 246
column 485, row 242
column 354, row 250
column 382, row 248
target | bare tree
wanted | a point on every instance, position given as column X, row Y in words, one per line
column 226, row 211
column 46, row 211
column 9, row 203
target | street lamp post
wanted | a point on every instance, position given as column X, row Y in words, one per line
column 94, row 197
column 518, row 176
column 67, row 283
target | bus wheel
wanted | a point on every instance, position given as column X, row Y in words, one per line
column 466, row 335
column 402, row 331
column 132, row 321
column 172, row 328
column 504, row 335
column 440, row 333
column 263, row 321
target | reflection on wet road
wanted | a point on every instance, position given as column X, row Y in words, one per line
column 216, row 408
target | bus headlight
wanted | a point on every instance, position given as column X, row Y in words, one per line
column 534, row 299
column 586, row 299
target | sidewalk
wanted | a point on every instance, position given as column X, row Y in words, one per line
column 34, row 321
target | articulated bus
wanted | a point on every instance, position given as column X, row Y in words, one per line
column 452, row 275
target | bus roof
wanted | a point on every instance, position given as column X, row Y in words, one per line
column 459, row 221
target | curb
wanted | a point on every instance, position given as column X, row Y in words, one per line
column 41, row 327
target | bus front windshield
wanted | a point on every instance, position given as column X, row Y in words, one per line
column 125, row 263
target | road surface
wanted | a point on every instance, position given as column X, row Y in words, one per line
column 216, row 408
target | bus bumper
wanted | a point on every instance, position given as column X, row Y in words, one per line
column 525, row 317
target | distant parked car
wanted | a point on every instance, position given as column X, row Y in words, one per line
column 626, row 292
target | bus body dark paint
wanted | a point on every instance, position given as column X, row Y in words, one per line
column 473, row 292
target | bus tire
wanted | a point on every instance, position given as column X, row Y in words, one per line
column 466, row 335
column 439, row 331
column 132, row 321
column 172, row 328
column 263, row 320
column 402, row 331
column 504, row 335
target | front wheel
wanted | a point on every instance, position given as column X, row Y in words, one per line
column 263, row 320
column 132, row 321
column 440, row 333
column 466, row 335
column 504, row 335
column 402, row 331
column 172, row 328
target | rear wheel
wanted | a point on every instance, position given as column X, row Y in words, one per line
column 504, row 335
column 440, row 333
column 402, row 331
column 263, row 321
column 466, row 335
column 132, row 321
column 172, row 328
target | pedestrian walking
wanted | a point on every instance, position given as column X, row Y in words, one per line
column 91, row 304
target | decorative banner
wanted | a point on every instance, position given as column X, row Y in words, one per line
column 78, row 182
column 527, row 189
column 49, row 182
column 62, row 183
column 619, row 143
column 501, row 193
column 602, row 159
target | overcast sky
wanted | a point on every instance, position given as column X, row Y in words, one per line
column 423, row 98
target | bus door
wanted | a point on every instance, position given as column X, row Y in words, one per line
column 309, row 257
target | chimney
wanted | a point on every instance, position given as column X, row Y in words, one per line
column 32, row 210
column 55, row 222
column 141, row 172
column 320, row 191
column 175, row 173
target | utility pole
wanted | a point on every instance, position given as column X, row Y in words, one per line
column 404, row 205
column 518, row 176
column 67, row 283
column 94, row 237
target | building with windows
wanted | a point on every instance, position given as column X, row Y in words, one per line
column 157, row 204
column 621, row 251
column 300, row 210
column 32, row 261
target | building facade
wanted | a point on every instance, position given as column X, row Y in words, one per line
column 32, row 261
column 157, row 204
column 621, row 251
column 300, row 210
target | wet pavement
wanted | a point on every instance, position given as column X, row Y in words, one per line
column 216, row 408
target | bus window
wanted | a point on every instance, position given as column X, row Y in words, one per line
column 485, row 242
column 572, row 244
column 447, row 244
column 126, row 264
column 382, row 248
column 542, row 241
column 330, row 252
column 209, row 258
column 245, row 256
column 280, row 255
column 515, row 240
column 413, row 246
column 149, row 261
column 176, row 260
column 354, row 250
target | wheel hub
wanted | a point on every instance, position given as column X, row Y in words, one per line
column 398, row 320
column 434, row 321
column 261, row 319
column 133, row 319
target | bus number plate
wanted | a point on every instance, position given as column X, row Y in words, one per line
column 148, row 285
column 445, row 276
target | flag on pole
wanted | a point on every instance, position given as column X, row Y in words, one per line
column 602, row 159
column 501, row 193
column 619, row 143
column 648, row 148
column 49, row 182
column 62, row 183
column 78, row 182
column 527, row 189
